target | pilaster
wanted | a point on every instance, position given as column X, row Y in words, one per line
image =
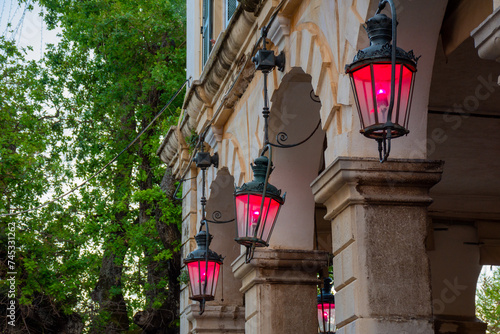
column 379, row 226
column 280, row 287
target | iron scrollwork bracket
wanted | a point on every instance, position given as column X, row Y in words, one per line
column 216, row 215
column 282, row 136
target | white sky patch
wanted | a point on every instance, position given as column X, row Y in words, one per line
column 488, row 270
column 26, row 27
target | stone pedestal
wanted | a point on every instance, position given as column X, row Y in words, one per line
column 379, row 227
column 216, row 319
column 280, row 288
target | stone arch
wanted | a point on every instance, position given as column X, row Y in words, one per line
column 309, row 51
column 463, row 100
column 327, row 37
column 295, row 113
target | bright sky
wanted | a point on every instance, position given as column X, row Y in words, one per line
column 26, row 27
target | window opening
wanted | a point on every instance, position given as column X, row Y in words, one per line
column 207, row 29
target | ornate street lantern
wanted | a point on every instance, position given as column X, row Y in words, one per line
column 203, row 267
column 203, row 264
column 382, row 77
column 326, row 308
column 257, row 207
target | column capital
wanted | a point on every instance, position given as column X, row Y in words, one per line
column 280, row 266
column 280, row 284
column 487, row 37
column 229, row 317
column 349, row 181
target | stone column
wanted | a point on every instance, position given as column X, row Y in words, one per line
column 379, row 227
column 280, row 287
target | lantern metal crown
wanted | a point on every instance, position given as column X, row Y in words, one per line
column 257, row 206
column 382, row 77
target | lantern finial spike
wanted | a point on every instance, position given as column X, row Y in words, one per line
column 327, row 285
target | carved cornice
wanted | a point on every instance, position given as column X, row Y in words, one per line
column 280, row 266
column 169, row 145
column 252, row 6
column 204, row 90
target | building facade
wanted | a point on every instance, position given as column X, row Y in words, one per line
column 406, row 238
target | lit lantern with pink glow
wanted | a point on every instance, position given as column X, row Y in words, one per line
column 384, row 114
column 203, row 267
column 255, row 217
column 326, row 308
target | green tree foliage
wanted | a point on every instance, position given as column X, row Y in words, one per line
column 488, row 301
column 107, row 257
column 32, row 166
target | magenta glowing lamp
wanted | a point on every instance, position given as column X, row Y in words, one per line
column 382, row 78
column 203, row 267
column 255, row 214
column 326, row 308
column 372, row 88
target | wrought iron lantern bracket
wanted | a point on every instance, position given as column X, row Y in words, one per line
column 198, row 260
column 265, row 60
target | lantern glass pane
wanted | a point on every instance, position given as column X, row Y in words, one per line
column 326, row 317
column 241, row 214
column 199, row 273
column 372, row 84
column 362, row 83
column 405, row 79
column 247, row 215
column 382, row 79
column 271, row 209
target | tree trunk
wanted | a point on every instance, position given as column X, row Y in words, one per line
column 160, row 320
column 112, row 317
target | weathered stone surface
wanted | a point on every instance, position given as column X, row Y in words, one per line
column 280, row 290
